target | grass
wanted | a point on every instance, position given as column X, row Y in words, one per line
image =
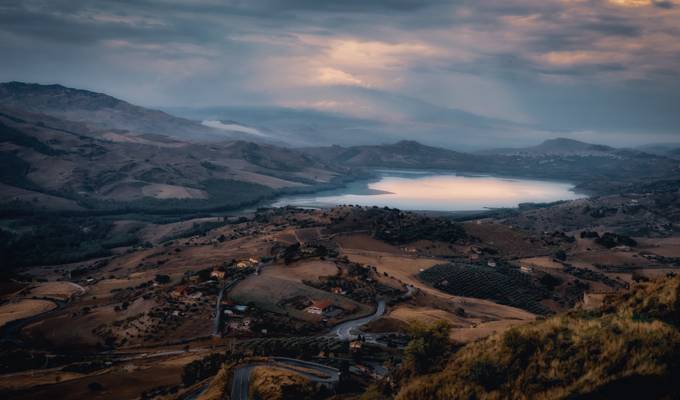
column 278, row 384
column 629, row 348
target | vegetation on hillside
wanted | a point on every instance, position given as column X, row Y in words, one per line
column 630, row 348
column 279, row 384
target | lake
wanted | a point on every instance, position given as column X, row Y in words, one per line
column 430, row 191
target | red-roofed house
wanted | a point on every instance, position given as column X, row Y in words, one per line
column 319, row 307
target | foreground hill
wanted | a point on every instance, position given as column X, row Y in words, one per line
column 628, row 349
column 98, row 111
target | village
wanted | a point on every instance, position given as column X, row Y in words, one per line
column 334, row 287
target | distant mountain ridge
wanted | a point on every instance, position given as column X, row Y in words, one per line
column 93, row 151
column 100, row 111
column 403, row 154
column 562, row 159
column 557, row 146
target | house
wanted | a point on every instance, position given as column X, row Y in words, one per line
column 355, row 345
column 245, row 263
column 337, row 290
column 622, row 248
column 242, row 325
column 319, row 307
column 217, row 274
column 179, row 291
column 526, row 269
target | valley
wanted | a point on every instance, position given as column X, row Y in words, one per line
column 144, row 261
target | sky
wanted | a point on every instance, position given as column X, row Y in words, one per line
column 606, row 71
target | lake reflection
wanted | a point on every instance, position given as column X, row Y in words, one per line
column 438, row 192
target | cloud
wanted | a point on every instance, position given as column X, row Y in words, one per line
column 332, row 76
column 588, row 65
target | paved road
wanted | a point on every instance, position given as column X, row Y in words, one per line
column 344, row 330
column 218, row 312
column 241, row 380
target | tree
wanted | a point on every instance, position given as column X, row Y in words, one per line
column 429, row 345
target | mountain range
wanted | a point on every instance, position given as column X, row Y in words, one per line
column 69, row 149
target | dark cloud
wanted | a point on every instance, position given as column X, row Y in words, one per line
column 606, row 66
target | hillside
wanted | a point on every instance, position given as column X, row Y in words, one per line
column 595, row 168
column 628, row 349
column 98, row 111
column 559, row 146
column 403, row 154
column 49, row 163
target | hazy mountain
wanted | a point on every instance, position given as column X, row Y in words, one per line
column 558, row 146
column 403, row 154
column 98, row 111
column 362, row 116
column 596, row 167
column 294, row 127
column 663, row 149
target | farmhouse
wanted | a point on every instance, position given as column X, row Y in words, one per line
column 247, row 263
column 239, row 325
column 217, row 274
column 320, row 307
column 337, row 290
column 179, row 291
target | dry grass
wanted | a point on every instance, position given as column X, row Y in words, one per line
column 483, row 317
column 57, row 290
column 631, row 347
column 305, row 270
column 270, row 289
column 667, row 247
column 428, row 315
column 365, row 242
column 269, row 383
column 541, row 262
column 23, row 309
column 126, row 381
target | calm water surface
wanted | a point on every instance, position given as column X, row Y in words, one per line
column 408, row 190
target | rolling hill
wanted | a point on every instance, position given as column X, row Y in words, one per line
column 101, row 112
column 49, row 163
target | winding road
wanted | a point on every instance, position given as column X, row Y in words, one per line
column 344, row 330
column 241, row 379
